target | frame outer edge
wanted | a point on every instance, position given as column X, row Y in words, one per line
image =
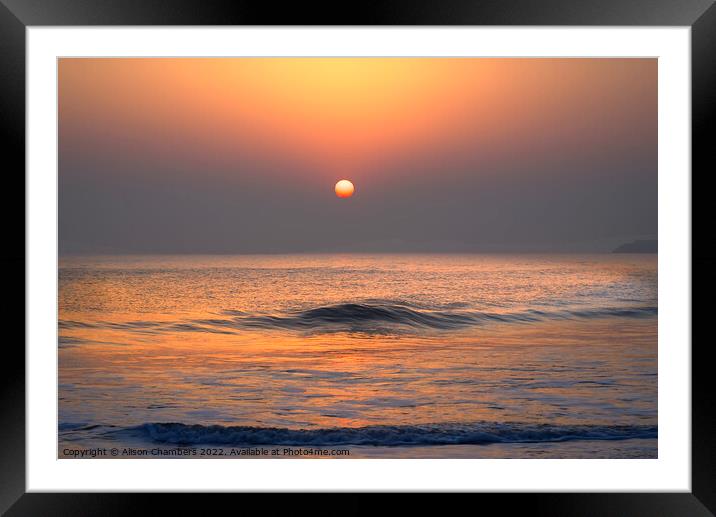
column 12, row 260
column 12, row 122
column 703, row 120
column 393, row 12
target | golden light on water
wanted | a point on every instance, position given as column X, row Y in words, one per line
column 269, row 341
column 344, row 188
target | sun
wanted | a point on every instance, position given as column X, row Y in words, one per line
column 344, row 188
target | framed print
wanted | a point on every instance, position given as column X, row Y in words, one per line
column 426, row 249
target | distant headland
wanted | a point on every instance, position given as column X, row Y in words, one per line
column 639, row 246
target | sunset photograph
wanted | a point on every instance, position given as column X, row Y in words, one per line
column 357, row 257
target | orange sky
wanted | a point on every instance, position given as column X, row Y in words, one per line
column 344, row 114
column 242, row 154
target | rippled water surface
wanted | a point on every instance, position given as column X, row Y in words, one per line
column 394, row 355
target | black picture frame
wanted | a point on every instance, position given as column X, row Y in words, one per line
column 17, row 15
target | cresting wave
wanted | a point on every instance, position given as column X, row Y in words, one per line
column 363, row 317
column 388, row 435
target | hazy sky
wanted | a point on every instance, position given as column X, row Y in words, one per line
column 242, row 154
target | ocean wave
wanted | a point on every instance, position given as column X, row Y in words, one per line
column 384, row 435
column 363, row 317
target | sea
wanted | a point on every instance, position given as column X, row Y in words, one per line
column 340, row 356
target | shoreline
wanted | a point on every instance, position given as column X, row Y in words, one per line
column 634, row 448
